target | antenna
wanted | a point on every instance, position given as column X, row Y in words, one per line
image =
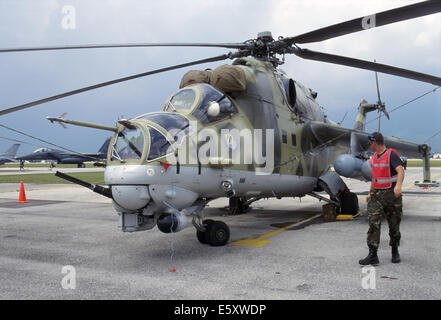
column 343, row 119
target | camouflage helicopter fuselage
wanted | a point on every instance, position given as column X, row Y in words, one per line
column 150, row 186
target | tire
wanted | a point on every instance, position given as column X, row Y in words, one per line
column 349, row 203
column 201, row 235
column 217, row 234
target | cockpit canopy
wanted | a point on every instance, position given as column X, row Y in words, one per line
column 196, row 99
column 130, row 142
column 172, row 124
column 175, row 124
column 42, row 150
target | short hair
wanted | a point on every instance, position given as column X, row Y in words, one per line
column 377, row 137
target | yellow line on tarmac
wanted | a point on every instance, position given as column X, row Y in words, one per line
column 261, row 241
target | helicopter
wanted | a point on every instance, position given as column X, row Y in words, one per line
column 245, row 131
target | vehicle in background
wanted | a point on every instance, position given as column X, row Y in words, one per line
column 65, row 157
column 9, row 155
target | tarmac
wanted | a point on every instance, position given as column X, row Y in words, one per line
column 268, row 257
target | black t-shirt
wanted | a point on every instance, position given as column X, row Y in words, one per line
column 394, row 162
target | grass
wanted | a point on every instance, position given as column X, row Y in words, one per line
column 419, row 163
column 49, row 178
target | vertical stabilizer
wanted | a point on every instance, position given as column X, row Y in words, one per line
column 12, row 151
column 104, row 147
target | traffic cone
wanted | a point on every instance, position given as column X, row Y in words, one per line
column 22, row 194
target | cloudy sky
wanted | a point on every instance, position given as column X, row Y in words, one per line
column 28, row 76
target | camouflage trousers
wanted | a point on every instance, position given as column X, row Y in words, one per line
column 383, row 203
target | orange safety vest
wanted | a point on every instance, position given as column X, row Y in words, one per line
column 381, row 175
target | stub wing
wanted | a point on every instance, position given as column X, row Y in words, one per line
column 356, row 142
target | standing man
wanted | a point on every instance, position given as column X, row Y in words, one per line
column 384, row 198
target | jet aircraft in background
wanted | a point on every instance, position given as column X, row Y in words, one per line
column 8, row 155
column 65, row 157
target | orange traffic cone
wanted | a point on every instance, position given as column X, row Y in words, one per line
column 22, row 194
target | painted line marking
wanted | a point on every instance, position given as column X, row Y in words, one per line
column 261, row 240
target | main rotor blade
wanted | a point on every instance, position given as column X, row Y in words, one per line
column 108, row 83
column 367, row 65
column 363, row 23
column 129, row 45
column 378, row 86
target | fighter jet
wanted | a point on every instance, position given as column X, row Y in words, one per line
column 65, row 157
column 8, row 155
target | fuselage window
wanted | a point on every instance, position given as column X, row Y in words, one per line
column 294, row 140
column 284, row 137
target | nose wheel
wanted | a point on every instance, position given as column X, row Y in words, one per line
column 216, row 233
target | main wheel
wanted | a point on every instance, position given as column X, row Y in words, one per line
column 217, row 234
column 349, row 203
column 200, row 234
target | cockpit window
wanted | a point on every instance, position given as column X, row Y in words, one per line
column 129, row 144
column 183, row 100
column 42, row 150
column 175, row 124
column 210, row 95
column 159, row 146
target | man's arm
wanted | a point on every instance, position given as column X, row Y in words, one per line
column 369, row 193
column 397, row 164
column 400, row 179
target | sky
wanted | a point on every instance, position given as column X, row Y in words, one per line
column 27, row 76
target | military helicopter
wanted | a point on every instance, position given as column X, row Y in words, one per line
column 160, row 171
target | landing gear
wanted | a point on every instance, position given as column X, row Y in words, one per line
column 201, row 234
column 349, row 203
column 216, row 233
column 81, row 165
column 238, row 206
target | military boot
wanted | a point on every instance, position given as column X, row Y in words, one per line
column 371, row 258
column 395, row 255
